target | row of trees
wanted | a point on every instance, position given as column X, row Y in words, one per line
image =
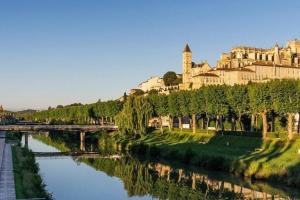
column 241, row 105
column 265, row 101
column 96, row 113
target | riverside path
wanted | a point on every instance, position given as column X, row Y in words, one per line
column 7, row 184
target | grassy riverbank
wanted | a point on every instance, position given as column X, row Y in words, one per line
column 271, row 159
column 28, row 182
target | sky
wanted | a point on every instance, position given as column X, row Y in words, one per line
column 56, row 52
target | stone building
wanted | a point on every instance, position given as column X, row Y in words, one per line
column 153, row 83
column 156, row 83
column 242, row 65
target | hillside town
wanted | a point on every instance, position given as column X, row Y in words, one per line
column 240, row 65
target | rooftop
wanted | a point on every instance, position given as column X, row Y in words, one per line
column 187, row 48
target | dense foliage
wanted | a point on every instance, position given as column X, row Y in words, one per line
column 170, row 78
column 262, row 107
column 256, row 106
column 135, row 115
column 100, row 112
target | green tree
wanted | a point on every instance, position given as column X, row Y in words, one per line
column 261, row 102
column 238, row 100
column 126, row 119
column 173, row 108
column 135, row 115
column 153, row 92
column 170, row 78
column 183, row 101
column 197, row 105
column 215, row 98
column 284, row 96
column 138, row 92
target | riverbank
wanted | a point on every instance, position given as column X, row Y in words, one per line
column 272, row 159
column 7, row 185
column 160, row 179
column 28, row 182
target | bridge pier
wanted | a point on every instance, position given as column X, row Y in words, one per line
column 82, row 141
column 26, row 140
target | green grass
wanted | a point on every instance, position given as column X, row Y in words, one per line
column 28, row 182
column 272, row 159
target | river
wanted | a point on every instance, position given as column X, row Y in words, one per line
column 90, row 176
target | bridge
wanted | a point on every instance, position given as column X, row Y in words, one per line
column 47, row 127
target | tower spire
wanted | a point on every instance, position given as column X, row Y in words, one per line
column 187, row 48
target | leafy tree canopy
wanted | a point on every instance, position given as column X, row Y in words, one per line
column 170, row 78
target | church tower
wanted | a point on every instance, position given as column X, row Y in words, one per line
column 187, row 66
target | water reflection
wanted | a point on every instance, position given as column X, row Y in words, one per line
column 128, row 177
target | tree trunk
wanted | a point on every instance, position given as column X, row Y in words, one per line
column 203, row 123
column 221, row 124
column 290, row 125
column 170, row 122
column 218, row 123
column 273, row 122
column 233, row 124
column 298, row 127
column 265, row 124
column 180, row 123
column 207, row 124
column 241, row 124
column 256, row 122
column 252, row 122
column 194, row 122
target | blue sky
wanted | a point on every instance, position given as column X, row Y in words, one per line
column 63, row 51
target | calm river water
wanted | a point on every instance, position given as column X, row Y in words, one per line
column 91, row 176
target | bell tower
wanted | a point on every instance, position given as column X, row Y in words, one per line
column 186, row 66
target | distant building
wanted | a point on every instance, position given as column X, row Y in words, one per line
column 153, row 83
column 242, row 65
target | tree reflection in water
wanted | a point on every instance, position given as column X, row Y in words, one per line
column 157, row 179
